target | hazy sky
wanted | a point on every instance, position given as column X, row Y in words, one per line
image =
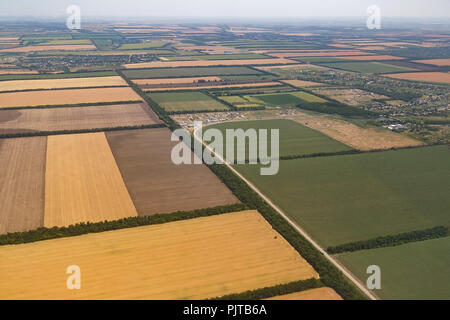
column 226, row 8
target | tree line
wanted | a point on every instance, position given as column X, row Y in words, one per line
column 96, row 227
column 391, row 240
column 277, row 290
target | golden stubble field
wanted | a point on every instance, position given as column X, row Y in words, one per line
column 64, row 97
column 16, row 85
column 190, row 259
column 22, row 167
column 207, row 63
column 323, row 293
column 83, row 182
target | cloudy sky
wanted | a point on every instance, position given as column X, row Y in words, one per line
column 226, row 8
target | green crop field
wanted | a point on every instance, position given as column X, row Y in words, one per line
column 233, row 99
column 348, row 198
column 186, row 101
column 57, row 75
column 367, row 67
column 417, row 270
column 143, row 45
column 65, row 42
column 295, row 139
column 188, row 72
column 291, row 98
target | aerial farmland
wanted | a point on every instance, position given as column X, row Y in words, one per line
column 118, row 178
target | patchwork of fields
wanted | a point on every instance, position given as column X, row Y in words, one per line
column 295, row 139
column 86, row 157
column 415, row 271
column 155, row 183
column 358, row 197
column 191, row 259
column 82, row 181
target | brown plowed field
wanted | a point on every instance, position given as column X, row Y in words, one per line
column 422, row 76
column 22, row 168
column 76, row 118
column 156, row 185
column 82, row 181
column 190, row 259
column 312, row 294
column 62, row 97
column 435, row 62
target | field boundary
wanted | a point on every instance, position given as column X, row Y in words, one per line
column 74, row 104
column 75, row 131
column 44, row 233
column 391, row 240
column 273, row 291
column 330, row 271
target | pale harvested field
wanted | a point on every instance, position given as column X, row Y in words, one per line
column 317, row 54
column 144, row 82
column 156, row 185
column 82, row 181
column 62, row 97
column 422, row 76
column 22, row 167
column 239, row 85
column 353, row 97
column 302, row 83
column 312, row 294
column 371, row 58
column 435, row 62
column 71, row 47
column 76, row 118
column 190, row 259
column 207, row 63
column 62, row 83
column 17, row 71
column 357, row 137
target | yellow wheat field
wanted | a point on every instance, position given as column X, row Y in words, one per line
column 189, row 259
column 70, row 96
column 207, row 63
column 312, row 294
column 61, row 83
column 83, row 182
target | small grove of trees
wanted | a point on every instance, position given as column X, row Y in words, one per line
column 392, row 240
column 329, row 274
